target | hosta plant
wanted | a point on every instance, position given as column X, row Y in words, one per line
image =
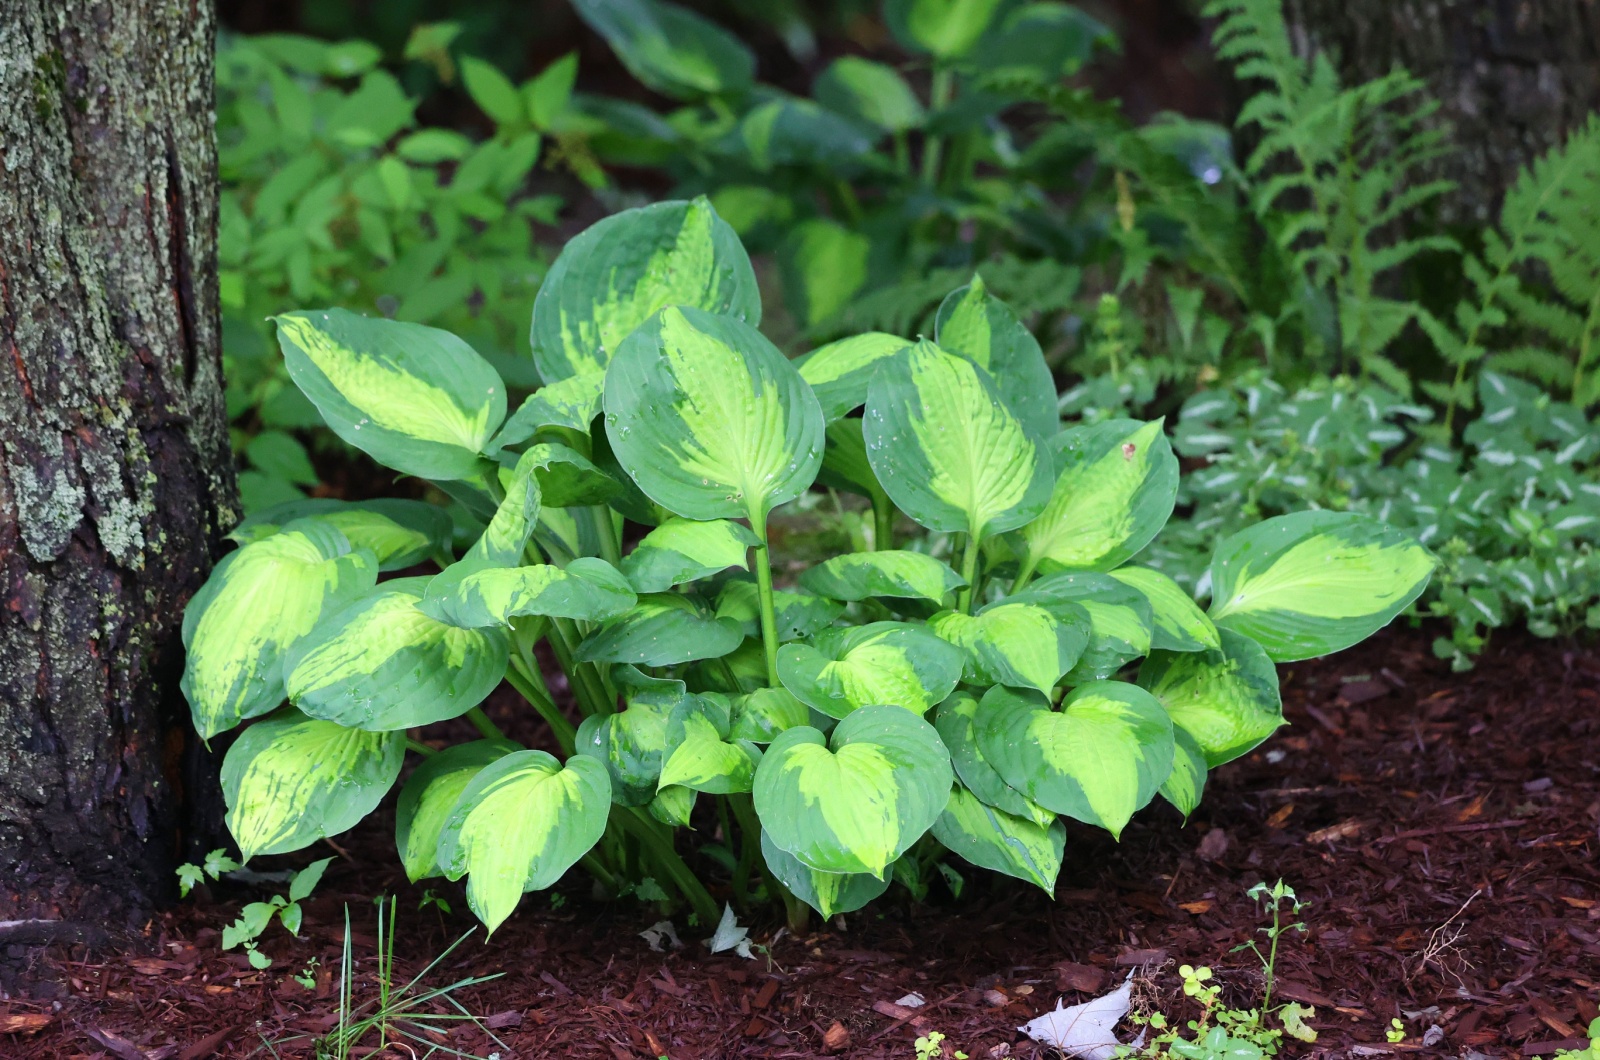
column 823, row 736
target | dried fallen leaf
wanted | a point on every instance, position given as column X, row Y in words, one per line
column 1213, row 845
column 25, row 1022
column 836, row 1037
column 1202, row 906
column 1342, row 830
column 1085, row 1031
column 1282, row 815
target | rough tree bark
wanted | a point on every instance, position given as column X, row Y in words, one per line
column 1512, row 76
column 115, row 471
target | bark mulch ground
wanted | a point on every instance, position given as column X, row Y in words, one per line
column 1442, row 825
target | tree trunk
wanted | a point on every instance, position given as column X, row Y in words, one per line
column 116, row 477
column 1513, row 77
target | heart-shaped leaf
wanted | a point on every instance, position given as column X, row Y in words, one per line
column 632, row 744
column 761, row 715
column 956, row 723
column 662, row 629
column 907, row 575
column 702, row 757
column 840, row 371
column 995, row 840
column 400, row 533
column 843, row 670
column 1014, row 644
column 671, row 48
column 1186, row 783
column 587, row 589
column 683, row 550
column 427, row 798
column 828, row 893
column 945, row 29
column 1120, row 621
column 1227, row 699
column 1179, row 624
column 978, row 326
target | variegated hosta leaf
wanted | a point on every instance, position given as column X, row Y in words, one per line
column 381, row 664
column 521, row 823
column 619, row 272
column 839, row 372
column 502, row 542
column 946, row 29
column 703, row 756
column 857, row 576
column 1186, row 783
column 632, row 744
column 662, row 629
column 430, row 793
column 1099, row 759
column 1313, row 583
column 1014, row 644
column 400, row 533
column 995, row 840
column 843, row 670
column 570, row 403
column 956, row 722
column 587, row 589
column 673, row 806
column 761, row 715
column 978, row 326
column 671, row 49
column 947, row 449
column 566, row 477
column 258, row 601
column 798, row 614
column 1227, row 699
column 844, row 462
column 828, row 893
column 414, row 398
column 1180, row 625
column 857, row 802
column 563, row 536
column 684, row 550
column 711, row 419
column 1116, row 484
column 290, row 780
column 1120, row 620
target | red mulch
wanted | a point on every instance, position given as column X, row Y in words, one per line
column 1443, row 827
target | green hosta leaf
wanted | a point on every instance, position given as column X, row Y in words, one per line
column 1180, row 625
column 1313, row 583
column 632, row 743
column 870, row 92
column 844, row 462
column 798, row 614
column 414, row 398
column 683, row 550
column 761, row 715
column 618, row 272
column 258, row 601
column 567, row 478
column 662, row 629
column 946, row 448
column 1099, row 759
column 1227, row 699
column 670, row 48
column 857, row 802
column 1187, row 781
column 1041, row 41
column 840, row 371
column 710, row 419
column 956, row 722
column 673, row 807
column 828, row 893
column 587, row 589
column 430, row 793
column 823, row 265
column 995, row 840
column 290, row 780
column 843, row 670
column 857, row 576
column 1120, row 619
column 1014, row 644
column 381, row 664
column 502, row 542
column 399, row 533
column 978, row 326
column 703, row 757
column 519, row 825
column 571, row 403
column 946, row 29
column 1117, row 484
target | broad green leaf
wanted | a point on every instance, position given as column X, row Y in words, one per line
column 519, row 825
column 1041, row 41
column 670, row 48
column 615, row 275
column 632, row 743
column 945, row 29
column 290, row 780
column 956, row 722
column 427, row 798
column 1099, row 758
column 856, row 802
column 869, row 91
column 662, row 629
column 414, row 398
column 400, row 533
column 1014, row 644
column 492, row 91
column 976, row 325
column 566, row 477
column 1186, row 783
column 1117, row 484
column 571, row 404
column 797, row 614
column 381, row 664
column 844, row 462
column 673, row 806
column 702, row 756
column 1120, row 619
column 840, row 371
column 502, row 542
column 684, row 550
column 829, row 893
column 1180, row 625
column 946, row 448
column 844, row 670
column 1226, row 699
column 587, row 589
column 257, row 603
column 710, row 419
column 1316, row 582
column 823, row 265
column 993, row 839
column 761, row 715
column 857, row 576
column 793, row 131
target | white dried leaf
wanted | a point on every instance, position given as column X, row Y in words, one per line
column 912, row 1000
column 1085, row 1031
column 730, row 936
column 660, row 934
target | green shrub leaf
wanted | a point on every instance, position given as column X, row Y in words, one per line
column 761, row 715
column 1022, row 645
column 1120, row 619
column 993, row 839
column 870, row 92
column 955, row 721
column 826, row 892
column 702, row 756
column 906, row 575
column 427, row 798
column 670, row 48
column 1186, row 783
column 840, row 371
column 1180, row 625
column 662, row 629
column 400, row 533
column 978, row 326
column 1227, row 699
column 844, row 670
column 587, row 589
column 945, row 29
column 684, row 550
column 571, row 403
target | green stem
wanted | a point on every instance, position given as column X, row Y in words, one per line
column 660, row 847
column 585, row 682
column 749, row 842
column 421, row 748
column 882, row 522
column 606, row 530
column 969, row 574
column 944, row 83
column 769, row 619
column 486, row 728
column 1024, row 573
column 531, row 687
column 596, row 868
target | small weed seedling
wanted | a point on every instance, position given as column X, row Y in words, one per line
column 1592, row 1052
column 931, row 1047
column 191, row 875
column 257, row 916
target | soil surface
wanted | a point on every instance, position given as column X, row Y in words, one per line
column 1442, row 826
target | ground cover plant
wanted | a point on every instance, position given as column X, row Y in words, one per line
column 845, row 731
